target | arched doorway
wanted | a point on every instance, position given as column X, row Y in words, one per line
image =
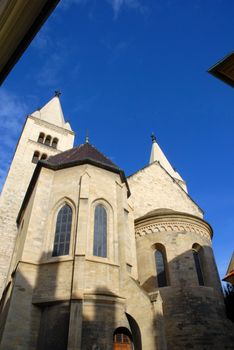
column 122, row 339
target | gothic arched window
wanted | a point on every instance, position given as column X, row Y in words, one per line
column 100, row 232
column 160, row 264
column 197, row 255
column 63, row 231
column 35, row 157
column 41, row 137
column 55, row 142
column 48, row 140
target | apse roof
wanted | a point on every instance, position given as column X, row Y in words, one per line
column 224, row 69
column 84, row 153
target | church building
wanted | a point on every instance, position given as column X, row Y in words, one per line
column 93, row 260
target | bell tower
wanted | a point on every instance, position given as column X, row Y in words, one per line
column 45, row 133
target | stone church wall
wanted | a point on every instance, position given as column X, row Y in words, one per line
column 18, row 179
column 153, row 188
column 193, row 314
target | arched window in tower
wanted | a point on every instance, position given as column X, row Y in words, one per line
column 44, row 156
column 100, row 232
column 55, row 143
column 160, row 264
column 63, row 231
column 197, row 255
column 36, row 156
column 41, row 137
column 48, row 140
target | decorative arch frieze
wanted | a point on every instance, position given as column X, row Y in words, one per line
column 173, row 225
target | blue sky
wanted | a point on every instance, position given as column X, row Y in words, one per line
column 129, row 67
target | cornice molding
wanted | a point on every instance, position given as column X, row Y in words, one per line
column 47, row 148
column 50, row 126
column 173, row 223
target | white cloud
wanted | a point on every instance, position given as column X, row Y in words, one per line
column 116, row 5
column 12, row 114
column 49, row 74
column 65, row 4
column 42, row 39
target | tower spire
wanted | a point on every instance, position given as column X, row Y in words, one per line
column 52, row 112
column 158, row 155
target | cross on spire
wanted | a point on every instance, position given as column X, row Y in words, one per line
column 153, row 138
column 57, row 93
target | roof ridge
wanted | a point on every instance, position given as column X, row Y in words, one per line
column 83, row 151
column 101, row 154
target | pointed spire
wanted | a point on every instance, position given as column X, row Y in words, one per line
column 52, row 112
column 158, row 155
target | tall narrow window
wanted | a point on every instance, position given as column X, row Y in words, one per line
column 160, row 262
column 55, row 143
column 197, row 251
column 48, row 140
column 35, row 157
column 100, row 232
column 63, row 231
column 41, row 137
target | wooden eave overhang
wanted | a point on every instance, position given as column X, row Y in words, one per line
column 20, row 20
column 224, row 70
column 229, row 277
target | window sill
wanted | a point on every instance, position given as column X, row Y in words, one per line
column 101, row 260
column 55, row 259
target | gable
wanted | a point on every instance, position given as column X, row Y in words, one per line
column 153, row 188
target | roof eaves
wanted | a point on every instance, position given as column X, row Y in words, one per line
column 54, row 167
column 157, row 162
column 101, row 165
column 214, row 70
column 29, row 191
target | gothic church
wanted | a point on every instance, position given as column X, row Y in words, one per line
column 92, row 260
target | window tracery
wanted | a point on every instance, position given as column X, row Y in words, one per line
column 63, row 231
column 100, row 231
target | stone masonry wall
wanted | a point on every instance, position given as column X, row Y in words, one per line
column 153, row 188
column 18, row 179
column 194, row 315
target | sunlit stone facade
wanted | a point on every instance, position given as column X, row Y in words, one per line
column 103, row 262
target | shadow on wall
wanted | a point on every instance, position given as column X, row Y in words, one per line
column 106, row 326
column 52, row 296
column 36, row 311
column 34, row 316
column 192, row 300
column 37, row 308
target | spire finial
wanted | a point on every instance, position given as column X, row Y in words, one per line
column 57, row 93
column 87, row 136
column 153, row 138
